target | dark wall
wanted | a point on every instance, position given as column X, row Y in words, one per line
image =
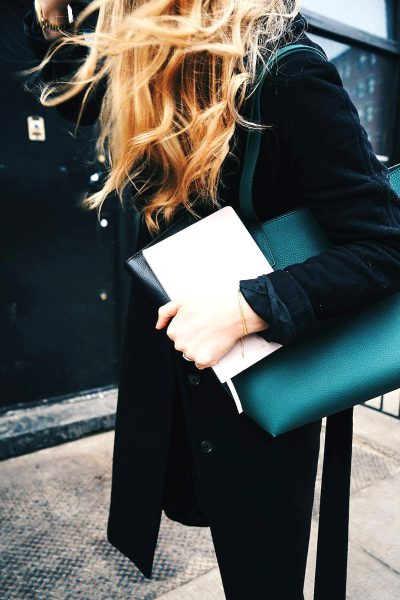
column 63, row 289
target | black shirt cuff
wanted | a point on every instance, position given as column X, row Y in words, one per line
column 280, row 301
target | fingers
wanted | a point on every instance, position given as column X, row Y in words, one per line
column 201, row 366
column 203, row 361
column 165, row 313
column 201, row 357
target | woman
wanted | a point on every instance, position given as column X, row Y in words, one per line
column 171, row 84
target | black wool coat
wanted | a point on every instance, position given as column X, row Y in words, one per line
column 316, row 153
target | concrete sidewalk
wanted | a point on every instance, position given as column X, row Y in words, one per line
column 374, row 548
column 54, row 506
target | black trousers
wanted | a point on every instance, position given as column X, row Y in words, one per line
column 256, row 491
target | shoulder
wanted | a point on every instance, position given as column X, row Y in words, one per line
column 303, row 68
column 303, row 85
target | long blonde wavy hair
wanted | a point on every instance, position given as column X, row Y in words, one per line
column 176, row 75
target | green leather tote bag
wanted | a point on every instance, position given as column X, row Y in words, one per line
column 354, row 361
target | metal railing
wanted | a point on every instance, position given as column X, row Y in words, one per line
column 388, row 404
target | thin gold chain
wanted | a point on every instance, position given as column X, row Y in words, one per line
column 245, row 330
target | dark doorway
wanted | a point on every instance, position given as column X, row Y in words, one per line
column 63, row 290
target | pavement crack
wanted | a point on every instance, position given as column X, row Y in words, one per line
column 382, row 562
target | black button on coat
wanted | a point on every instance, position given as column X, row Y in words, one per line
column 176, row 428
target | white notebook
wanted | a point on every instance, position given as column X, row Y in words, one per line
column 215, row 252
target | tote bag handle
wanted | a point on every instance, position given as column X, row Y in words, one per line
column 254, row 136
column 253, row 143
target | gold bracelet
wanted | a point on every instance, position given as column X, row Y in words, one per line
column 245, row 330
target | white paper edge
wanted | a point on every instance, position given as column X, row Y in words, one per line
column 235, row 395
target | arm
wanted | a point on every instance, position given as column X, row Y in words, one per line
column 338, row 175
column 63, row 64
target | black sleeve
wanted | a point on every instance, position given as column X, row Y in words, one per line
column 61, row 67
column 330, row 157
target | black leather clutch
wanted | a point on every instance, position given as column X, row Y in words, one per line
column 138, row 267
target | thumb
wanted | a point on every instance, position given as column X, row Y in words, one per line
column 165, row 313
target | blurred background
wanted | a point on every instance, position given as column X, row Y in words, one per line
column 63, row 296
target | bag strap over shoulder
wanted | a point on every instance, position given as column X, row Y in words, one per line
column 253, row 110
column 253, row 143
column 331, row 564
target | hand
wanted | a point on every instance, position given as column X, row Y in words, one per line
column 206, row 328
column 56, row 11
column 54, row 6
